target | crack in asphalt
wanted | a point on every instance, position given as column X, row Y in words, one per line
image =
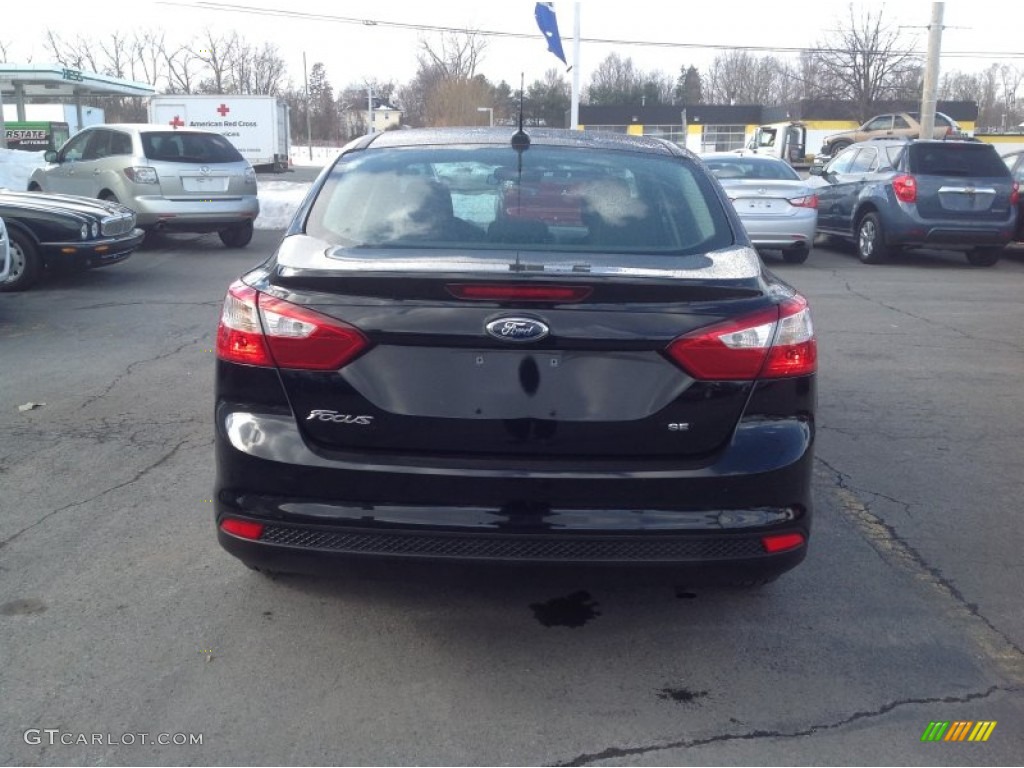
column 905, row 505
column 887, row 541
column 138, row 476
column 930, row 321
column 128, row 371
column 612, row 753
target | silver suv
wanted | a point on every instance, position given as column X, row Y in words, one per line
column 175, row 180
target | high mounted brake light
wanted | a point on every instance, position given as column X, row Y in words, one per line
column 499, row 292
column 771, row 344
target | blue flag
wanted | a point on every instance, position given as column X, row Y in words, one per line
column 545, row 13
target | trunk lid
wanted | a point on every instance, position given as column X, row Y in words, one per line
column 443, row 376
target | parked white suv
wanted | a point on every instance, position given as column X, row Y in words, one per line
column 176, row 180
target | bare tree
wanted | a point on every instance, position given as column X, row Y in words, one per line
column 148, row 58
column 866, row 61
column 740, row 77
column 268, row 70
column 217, row 53
column 75, row 54
column 1010, row 78
column 455, row 55
column 453, row 58
column 615, row 80
column 183, row 69
column 455, row 101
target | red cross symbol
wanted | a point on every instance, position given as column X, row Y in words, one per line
column 177, row 122
column 223, row 109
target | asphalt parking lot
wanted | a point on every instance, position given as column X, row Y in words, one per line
column 120, row 615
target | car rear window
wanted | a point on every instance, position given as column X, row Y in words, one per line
column 546, row 198
column 186, row 147
column 751, row 168
column 956, row 159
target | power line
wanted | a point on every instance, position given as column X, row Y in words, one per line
column 308, row 16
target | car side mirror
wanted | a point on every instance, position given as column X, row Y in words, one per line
column 816, row 170
column 50, row 156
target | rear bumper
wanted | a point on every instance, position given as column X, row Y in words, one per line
column 195, row 215
column 782, row 232
column 325, row 550
column 908, row 228
column 316, row 509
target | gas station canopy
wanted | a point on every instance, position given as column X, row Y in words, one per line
column 21, row 81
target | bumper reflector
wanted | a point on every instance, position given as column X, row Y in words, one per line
column 241, row 528
column 782, row 542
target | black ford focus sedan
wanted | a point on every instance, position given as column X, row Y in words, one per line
column 487, row 345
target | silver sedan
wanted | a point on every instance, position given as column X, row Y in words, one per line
column 778, row 209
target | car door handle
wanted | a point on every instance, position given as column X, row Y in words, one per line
column 97, row 172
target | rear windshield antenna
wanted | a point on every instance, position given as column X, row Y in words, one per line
column 520, row 141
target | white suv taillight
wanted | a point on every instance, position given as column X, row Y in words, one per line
column 142, row 174
column 256, row 329
column 771, row 344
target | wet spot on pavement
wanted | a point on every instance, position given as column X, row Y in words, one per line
column 25, row 607
column 575, row 610
column 681, row 695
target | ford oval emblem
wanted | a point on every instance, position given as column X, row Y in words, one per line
column 517, row 329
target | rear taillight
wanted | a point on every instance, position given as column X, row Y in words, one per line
column 772, row 344
column 905, row 187
column 1015, row 193
column 256, row 329
column 142, row 175
column 240, row 336
column 810, row 201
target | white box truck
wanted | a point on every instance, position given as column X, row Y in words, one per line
column 257, row 125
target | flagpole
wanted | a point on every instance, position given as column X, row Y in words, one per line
column 575, row 109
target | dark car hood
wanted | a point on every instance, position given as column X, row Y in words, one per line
column 44, row 201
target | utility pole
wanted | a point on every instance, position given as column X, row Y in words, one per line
column 574, row 97
column 309, row 129
column 931, row 73
column 369, row 108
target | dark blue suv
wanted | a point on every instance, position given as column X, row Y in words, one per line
column 886, row 195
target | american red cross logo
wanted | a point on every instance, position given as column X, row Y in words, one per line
column 223, row 109
column 177, row 122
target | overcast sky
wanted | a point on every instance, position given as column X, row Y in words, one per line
column 357, row 48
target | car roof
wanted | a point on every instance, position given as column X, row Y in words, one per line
column 147, row 128
column 731, row 157
column 900, row 140
column 564, row 137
